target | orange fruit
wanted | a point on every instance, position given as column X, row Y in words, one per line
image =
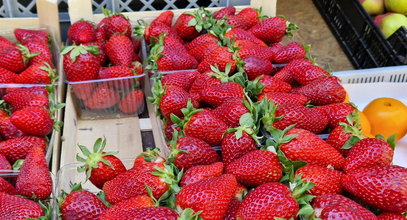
column 387, row 116
column 365, row 125
column 346, row 98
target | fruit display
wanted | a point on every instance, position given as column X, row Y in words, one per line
column 103, row 67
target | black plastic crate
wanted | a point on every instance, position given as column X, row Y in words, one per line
column 362, row 41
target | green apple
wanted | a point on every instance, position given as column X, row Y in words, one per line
column 398, row 6
column 373, row 7
column 391, row 22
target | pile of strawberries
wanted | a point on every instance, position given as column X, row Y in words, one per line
column 26, row 119
column 272, row 162
column 104, row 52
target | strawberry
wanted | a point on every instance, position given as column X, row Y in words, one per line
column 291, row 51
column 270, row 30
column 81, row 62
column 326, row 180
column 201, row 172
column 391, row 216
column 248, row 48
column 100, row 34
column 7, row 76
column 232, row 210
column 234, row 147
column 136, row 44
column 115, row 72
column 99, row 166
column 200, row 40
column 137, row 202
column 36, row 46
column 24, row 98
column 272, row 84
column 230, row 112
column 4, row 43
column 269, row 200
column 34, row 179
column 276, row 48
column 12, row 59
column 3, row 113
column 224, row 12
column 308, row 73
column 152, row 32
column 303, row 118
column 169, row 128
column 102, row 97
column 217, row 95
column 308, row 147
column 198, row 152
column 82, row 204
column 81, row 32
column 280, row 98
column 36, row 74
column 116, row 23
column 335, row 206
column 211, row 196
column 137, row 67
column 368, row 152
column 323, row 91
column 102, row 54
column 285, row 73
column 165, row 17
column 23, row 34
column 14, row 207
column 183, row 28
column 4, row 164
column 83, row 90
column 8, row 130
column 256, row 168
column 133, row 102
column 255, row 67
column 6, row 187
column 33, row 121
column 382, row 187
column 18, row 148
column 203, row 81
column 162, row 213
column 338, row 138
column 337, row 113
column 119, row 50
column 202, row 51
column 183, row 79
column 240, row 34
column 245, row 19
column 219, row 57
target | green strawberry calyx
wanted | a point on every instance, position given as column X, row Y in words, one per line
column 267, row 111
column 77, row 50
column 188, row 214
column 92, row 159
column 188, row 112
column 139, row 29
column 27, row 55
column 391, row 140
column 353, row 127
column 151, row 155
column 174, row 151
column 156, row 52
column 247, row 124
column 202, row 19
column 300, row 191
column 254, row 87
column 157, row 91
column 172, row 176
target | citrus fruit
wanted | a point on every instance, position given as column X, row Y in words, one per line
column 365, row 125
column 346, row 98
column 387, row 116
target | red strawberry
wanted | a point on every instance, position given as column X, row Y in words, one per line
column 234, row 148
column 248, row 48
column 276, row 48
column 102, row 97
column 338, row 138
column 137, row 67
column 280, row 98
column 272, row 84
column 337, row 113
column 82, row 205
column 34, row 46
column 81, row 32
column 200, row 40
column 23, row 34
column 285, row 73
column 201, row 172
column 12, row 59
column 224, row 12
column 162, row 213
column 115, row 72
column 211, row 196
column 33, row 121
column 269, row 200
column 335, row 206
column 219, row 57
column 255, row 67
column 136, row 44
column 34, row 179
column 240, row 34
column 199, row 153
column 6, row 187
column 382, row 187
column 18, row 148
column 270, row 30
column 8, row 130
column 133, row 102
column 308, row 147
column 137, row 202
column 36, row 74
column 81, row 62
column 230, row 112
column 183, row 79
column 232, row 210
column 165, row 18
column 368, row 152
column 14, row 207
column 202, row 51
column 169, row 128
column 102, row 54
column 100, row 34
column 391, row 216
column 326, row 180
column 27, row 97
column 100, row 166
column 221, row 93
column 7, row 76
column 4, row 164
column 291, row 51
column 152, row 32
column 323, row 91
column 3, row 114
column 119, row 49
column 4, row 43
column 117, row 23
column 203, row 81
column 83, row 90
column 245, row 19
column 303, row 118
column 307, row 73
column 183, row 28
column 256, row 168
